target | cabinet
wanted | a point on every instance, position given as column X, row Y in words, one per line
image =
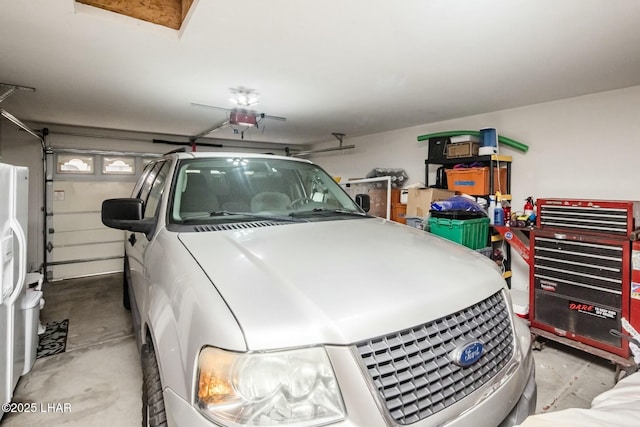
column 492, row 162
column 582, row 288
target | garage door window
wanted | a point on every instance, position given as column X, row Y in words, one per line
column 119, row 165
column 74, row 164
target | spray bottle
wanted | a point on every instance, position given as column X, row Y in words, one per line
column 499, row 212
column 492, row 209
column 506, row 207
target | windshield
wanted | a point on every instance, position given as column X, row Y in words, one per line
column 244, row 188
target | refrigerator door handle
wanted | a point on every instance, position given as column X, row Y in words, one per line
column 21, row 260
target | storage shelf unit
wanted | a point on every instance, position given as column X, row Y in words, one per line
column 492, row 161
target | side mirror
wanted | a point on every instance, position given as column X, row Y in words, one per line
column 364, row 201
column 126, row 214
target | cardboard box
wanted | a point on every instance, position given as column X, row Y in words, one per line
column 463, row 149
column 419, row 200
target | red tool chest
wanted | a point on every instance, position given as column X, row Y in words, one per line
column 585, row 273
column 635, row 283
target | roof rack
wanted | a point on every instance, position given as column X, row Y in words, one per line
column 177, row 150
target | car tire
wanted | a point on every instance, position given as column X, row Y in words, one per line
column 125, row 285
column 153, row 412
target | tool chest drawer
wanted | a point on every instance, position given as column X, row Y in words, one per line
column 589, row 216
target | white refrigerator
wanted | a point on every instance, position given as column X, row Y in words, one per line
column 20, row 300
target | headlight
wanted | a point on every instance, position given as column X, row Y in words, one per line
column 295, row 387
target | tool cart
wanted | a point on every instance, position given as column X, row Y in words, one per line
column 585, row 276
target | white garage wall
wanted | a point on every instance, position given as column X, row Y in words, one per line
column 584, row 147
column 21, row 149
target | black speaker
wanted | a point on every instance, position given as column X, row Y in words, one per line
column 441, row 178
column 438, row 149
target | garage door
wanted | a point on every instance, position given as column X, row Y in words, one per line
column 78, row 244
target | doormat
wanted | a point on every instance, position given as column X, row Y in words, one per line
column 54, row 339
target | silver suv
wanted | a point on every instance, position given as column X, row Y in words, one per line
column 262, row 294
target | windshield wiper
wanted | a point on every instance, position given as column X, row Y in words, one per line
column 221, row 213
column 252, row 216
column 209, row 215
column 325, row 211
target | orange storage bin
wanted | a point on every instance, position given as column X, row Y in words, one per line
column 399, row 213
column 395, row 195
column 475, row 181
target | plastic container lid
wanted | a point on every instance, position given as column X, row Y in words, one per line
column 457, row 214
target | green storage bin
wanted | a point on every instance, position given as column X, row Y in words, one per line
column 472, row 233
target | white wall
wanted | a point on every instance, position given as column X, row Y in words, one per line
column 19, row 148
column 584, row 147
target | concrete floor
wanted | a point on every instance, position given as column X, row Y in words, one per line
column 99, row 374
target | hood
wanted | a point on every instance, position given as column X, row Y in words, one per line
column 338, row 282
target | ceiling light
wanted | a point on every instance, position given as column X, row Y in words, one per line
column 244, row 97
column 244, row 100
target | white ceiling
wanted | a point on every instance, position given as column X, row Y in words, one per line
column 351, row 66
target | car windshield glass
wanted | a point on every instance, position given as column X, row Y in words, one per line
column 232, row 189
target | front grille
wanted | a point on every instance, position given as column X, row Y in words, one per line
column 412, row 370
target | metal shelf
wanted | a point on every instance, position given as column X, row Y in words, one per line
column 492, row 160
column 488, row 158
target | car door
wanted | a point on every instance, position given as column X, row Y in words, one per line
column 151, row 192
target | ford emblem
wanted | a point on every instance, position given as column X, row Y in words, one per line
column 467, row 354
